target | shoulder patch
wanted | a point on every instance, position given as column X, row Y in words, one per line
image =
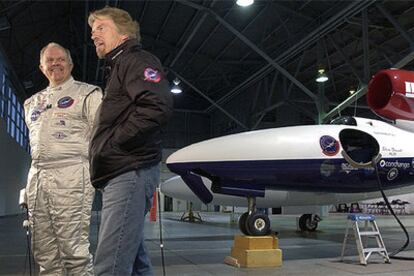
column 152, row 75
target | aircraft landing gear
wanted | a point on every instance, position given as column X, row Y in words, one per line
column 253, row 223
column 309, row 222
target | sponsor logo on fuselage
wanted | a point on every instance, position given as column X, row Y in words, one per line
column 346, row 167
column 327, row 168
column 329, row 145
column 409, row 89
column 394, row 164
column 392, row 174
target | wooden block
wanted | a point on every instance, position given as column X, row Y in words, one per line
column 253, row 242
column 257, row 258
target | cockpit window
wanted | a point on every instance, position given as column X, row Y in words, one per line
column 344, row 120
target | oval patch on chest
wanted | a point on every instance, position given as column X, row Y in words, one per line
column 65, row 102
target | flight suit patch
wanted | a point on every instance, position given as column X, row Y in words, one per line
column 65, row 102
column 60, row 123
column 35, row 115
column 59, row 135
column 37, row 111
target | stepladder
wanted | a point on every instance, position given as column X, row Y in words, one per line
column 364, row 229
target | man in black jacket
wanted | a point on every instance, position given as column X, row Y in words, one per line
column 125, row 149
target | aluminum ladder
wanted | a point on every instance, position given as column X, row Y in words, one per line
column 365, row 252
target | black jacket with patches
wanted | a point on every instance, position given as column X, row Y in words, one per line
column 136, row 104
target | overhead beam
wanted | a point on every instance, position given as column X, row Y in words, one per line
column 363, row 90
column 190, row 37
column 251, row 45
column 204, row 42
column 331, row 24
column 328, row 61
column 270, row 90
column 396, row 25
column 222, row 51
column 302, row 110
column 365, row 45
column 345, row 58
column 198, row 91
column 285, row 96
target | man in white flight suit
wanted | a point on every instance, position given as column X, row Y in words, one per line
column 59, row 193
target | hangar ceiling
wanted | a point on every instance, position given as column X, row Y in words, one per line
column 267, row 53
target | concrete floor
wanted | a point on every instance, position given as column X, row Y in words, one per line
column 200, row 248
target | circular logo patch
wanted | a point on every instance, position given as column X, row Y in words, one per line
column 392, row 174
column 35, row 115
column 329, row 145
column 65, row 102
column 152, row 75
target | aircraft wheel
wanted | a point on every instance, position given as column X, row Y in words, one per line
column 258, row 224
column 307, row 224
column 242, row 223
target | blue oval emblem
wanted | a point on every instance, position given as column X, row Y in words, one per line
column 65, row 102
column 329, row 145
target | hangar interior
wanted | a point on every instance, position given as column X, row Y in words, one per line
column 239, row 68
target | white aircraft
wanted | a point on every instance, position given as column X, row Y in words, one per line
column 175, row 187
column 303, row 165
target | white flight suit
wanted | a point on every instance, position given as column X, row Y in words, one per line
column 58, row 189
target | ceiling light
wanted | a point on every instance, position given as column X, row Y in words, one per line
column 322, row 77
column 175, row 88
column 244, row 3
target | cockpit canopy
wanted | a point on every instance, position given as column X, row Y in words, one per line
column 344, row 120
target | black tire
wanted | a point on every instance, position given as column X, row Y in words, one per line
column 242, row 223
column 306, row 223
column 258, row 224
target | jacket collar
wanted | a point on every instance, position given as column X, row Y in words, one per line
column 111, row 57
column 63, row 86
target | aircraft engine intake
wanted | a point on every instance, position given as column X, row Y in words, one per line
column 359, row 147
column 391, row 94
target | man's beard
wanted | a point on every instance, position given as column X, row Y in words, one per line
column 100, row 54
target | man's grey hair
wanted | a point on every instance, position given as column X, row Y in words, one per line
column 54, row 44
column 122, row 19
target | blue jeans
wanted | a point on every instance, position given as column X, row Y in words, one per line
column 126, row 199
